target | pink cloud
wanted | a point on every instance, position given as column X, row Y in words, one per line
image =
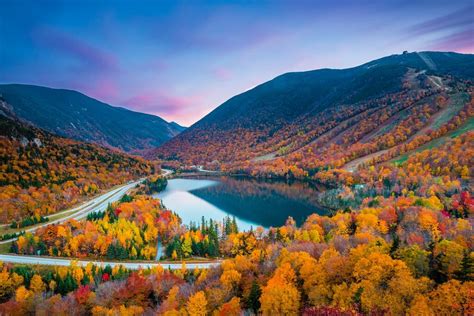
column 222, row 73
column 459, row 41
column 104, row 88
column 451, row 32
column 170, row 107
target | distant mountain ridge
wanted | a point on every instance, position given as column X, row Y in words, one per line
column 327, row 111
column 74, row 115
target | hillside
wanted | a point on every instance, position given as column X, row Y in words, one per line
column 398, row 242
column 299, row 123
column 74, row 115
column 398, row 253
column 42, row 174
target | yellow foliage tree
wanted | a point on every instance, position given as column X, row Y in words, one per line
column 280, row 296
column 37, row 285
column 386, row 284
column 453, row 298
column 22, row 294
column 77, row 274
column 8, row 283
column 197, row 304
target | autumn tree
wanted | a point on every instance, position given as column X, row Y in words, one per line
column 197, row 304
column 280, row 296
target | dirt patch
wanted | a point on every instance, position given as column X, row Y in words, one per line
column 266, row 157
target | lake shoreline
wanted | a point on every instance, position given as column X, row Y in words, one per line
column 320, row 187
column 253, row 201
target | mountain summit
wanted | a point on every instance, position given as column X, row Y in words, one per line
column 325, row 112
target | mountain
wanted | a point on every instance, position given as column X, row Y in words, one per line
column 74, row 115
column 329, row 117
column 43, row 173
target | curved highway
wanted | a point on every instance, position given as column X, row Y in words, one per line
column 97, row 204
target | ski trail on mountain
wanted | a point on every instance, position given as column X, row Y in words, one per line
column 428, row 61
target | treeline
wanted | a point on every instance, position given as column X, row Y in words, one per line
column 155, row 184
column 12, row 235
column 128, row 229
column 202, row 240
column 29, row 221
column 23, row 282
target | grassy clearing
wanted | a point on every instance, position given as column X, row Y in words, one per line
column 456, row 104
column 466, row 127
column 5, row 248
column 397, row 118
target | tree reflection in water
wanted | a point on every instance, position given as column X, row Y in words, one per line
column 268, row 203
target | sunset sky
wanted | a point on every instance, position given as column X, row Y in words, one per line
column 180, row 60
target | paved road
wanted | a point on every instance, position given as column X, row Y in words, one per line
column 201, row 169
column 97, row 204
column 127, row 264
column 166, row 172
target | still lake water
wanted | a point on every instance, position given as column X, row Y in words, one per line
column 253, row 202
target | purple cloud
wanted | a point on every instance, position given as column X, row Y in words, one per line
column 460, row 41
column 105, row 89
column 88, row 55
column 181, row 108
column 459, row 19
column 161, row 102
column 452, row 32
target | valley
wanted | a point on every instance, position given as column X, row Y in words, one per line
column 237, row 158
column 333, row 192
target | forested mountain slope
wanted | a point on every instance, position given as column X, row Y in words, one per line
column 42, row 173
column 300, row 123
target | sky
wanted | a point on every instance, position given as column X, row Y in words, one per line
column 181, row 59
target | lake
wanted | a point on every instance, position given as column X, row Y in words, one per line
column 253, row 202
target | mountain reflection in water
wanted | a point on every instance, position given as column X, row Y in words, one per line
column 252, row 202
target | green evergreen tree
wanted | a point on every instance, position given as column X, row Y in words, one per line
column 86, row 280
column 203, row 224
column 466, row 271
column 235, row 228
column 253, row 300
column 227, row 225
